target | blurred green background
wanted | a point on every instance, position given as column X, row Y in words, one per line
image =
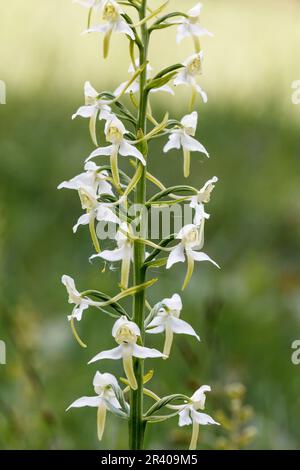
column 247, row 314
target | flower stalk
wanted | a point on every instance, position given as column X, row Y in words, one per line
column 136, row 423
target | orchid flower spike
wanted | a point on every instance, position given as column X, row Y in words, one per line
column 135, row 86
column 104, row 400
column 191, row 240
column 189, row 414
column 126, row 334
column 190, row 26
column 114, row 132
column 123, row 252
column 167, row 319
column 203, row 197
column 93, row 107
column 81, row 303
column 184, row 137
column 187, row 75
column 114, row 23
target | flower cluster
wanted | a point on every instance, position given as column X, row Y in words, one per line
column 107, row 192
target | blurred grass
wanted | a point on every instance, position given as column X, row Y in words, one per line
column 247, row 314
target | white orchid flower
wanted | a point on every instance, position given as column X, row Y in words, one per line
column 203, row 197
column 184, row 137
column 191, row 241
column 94, row 209
column 105, row 396
column 189, row 414
column 123, row 252
column 190, row 26
column 126, row 334
column 90, row 185
column 114, row 132
column 75, row 298
column 187, row 76
column 114, row 23
column 135, row 86
column 92, row 178
column 167, row 319
column 93, row 107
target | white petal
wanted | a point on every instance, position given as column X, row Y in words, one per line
column 105, row 113
column 202, row 93
column 69, row 283
column 157, row 321
column 91, row 166
column 107, row 215
column 190, row 120
column 100, row 151
column 85, row 111
column 110, row 255
column 114, row 402
column 173, row 143
column 78, row 311
column 79, row 181
column 200, row 256
column 181, row 78
column 182, row 327
column 184, row 417
column 129, row 150
column 174, row 303
column 202, row 418
column 157, row 329
column 196, row 10
column 86, row 401
column 193, row 145
column 197, row 30
column 104, row 188
column 184, row 232
column 90, row 91
column 101, row 28
column 114, row 354
column 200, row 214
column 143, row 353
column 134, row 87
column 122, row 27
column 120, row 88
column 182, row 32
column 102, row 380
column 83, row 220
column 164, row 89
column 176, row 256
column 199, row 394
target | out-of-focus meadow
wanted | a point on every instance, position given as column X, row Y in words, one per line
column 248, row 313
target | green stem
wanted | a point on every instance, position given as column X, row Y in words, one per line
column 136, row 423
